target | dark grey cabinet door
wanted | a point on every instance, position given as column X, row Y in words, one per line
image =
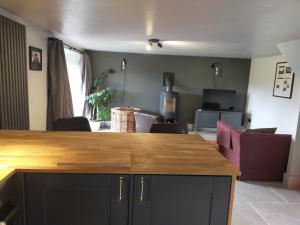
column 172, row 200
column 77, row 199
column 233, row 118
column 12, row 200
column 221, row 201
column 206, row 119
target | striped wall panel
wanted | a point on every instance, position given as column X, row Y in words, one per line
column 14, row 112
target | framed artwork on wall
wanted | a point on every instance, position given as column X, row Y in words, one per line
column 35, row 58
column 284, row 81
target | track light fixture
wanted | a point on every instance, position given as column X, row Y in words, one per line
column 153, row 41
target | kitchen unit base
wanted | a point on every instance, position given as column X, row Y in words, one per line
column 76, row 199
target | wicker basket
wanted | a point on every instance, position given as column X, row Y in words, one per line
column 122, row 119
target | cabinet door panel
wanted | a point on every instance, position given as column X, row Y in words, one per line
column 76, row 199
column 221, row 199
column 74, row 207
column 206, row 119
column 233, row 118
column 172, row 200
column 12, row 200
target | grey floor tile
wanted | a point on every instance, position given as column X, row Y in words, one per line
column 244, row 214
column 279, row 213
column 209, row 135
column 291, row 196
column 255, row 192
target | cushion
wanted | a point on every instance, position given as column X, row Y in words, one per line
column 263, row 130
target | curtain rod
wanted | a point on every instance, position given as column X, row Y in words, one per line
column 74, row 49
column 69, row 46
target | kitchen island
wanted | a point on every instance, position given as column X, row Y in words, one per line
column 64, row 178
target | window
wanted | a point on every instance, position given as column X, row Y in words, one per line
column 74, row 67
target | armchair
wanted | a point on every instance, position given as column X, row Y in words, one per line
column 259, row 156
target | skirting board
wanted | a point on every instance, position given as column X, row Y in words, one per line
column 292, row 181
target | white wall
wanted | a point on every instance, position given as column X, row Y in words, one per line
column 291, row 51
column 37, row 80
column 269, row 111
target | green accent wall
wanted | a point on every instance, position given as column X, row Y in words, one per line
column 144, row 77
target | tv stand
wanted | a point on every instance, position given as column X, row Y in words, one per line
column 209, row 118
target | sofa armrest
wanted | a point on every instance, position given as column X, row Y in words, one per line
column 228, row 139
column 264, row 151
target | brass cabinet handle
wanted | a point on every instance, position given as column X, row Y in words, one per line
column 142, row 189
column 120, row 189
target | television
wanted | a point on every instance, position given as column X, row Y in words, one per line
column 218, row 99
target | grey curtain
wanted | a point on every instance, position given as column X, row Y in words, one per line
column 59, row 93
column 86, row 84
column 14, row 109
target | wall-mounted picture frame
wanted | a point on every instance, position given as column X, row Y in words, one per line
column 35, row 58
column 284, row 80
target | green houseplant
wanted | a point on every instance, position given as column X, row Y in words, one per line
column 101, row 96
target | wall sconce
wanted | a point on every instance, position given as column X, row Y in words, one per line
column 217, row 69
column 217, row 72
column 123, row 64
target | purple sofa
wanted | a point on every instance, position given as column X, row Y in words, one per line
column 259, row 156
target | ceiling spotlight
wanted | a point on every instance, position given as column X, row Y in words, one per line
column 149, row 45
column 154, row 41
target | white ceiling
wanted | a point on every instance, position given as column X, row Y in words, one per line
column 224, row 28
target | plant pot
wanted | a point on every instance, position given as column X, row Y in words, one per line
column 97, row 125
column 105, row 124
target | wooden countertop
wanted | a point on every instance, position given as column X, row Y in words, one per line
column 114, row 153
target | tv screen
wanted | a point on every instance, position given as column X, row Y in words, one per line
column 217, row 99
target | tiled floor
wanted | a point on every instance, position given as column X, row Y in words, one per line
column 265, row 204
column 208, row 134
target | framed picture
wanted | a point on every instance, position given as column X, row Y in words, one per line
column 284, row 81
column 35, row 58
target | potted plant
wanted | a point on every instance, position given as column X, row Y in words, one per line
column 100, row 97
